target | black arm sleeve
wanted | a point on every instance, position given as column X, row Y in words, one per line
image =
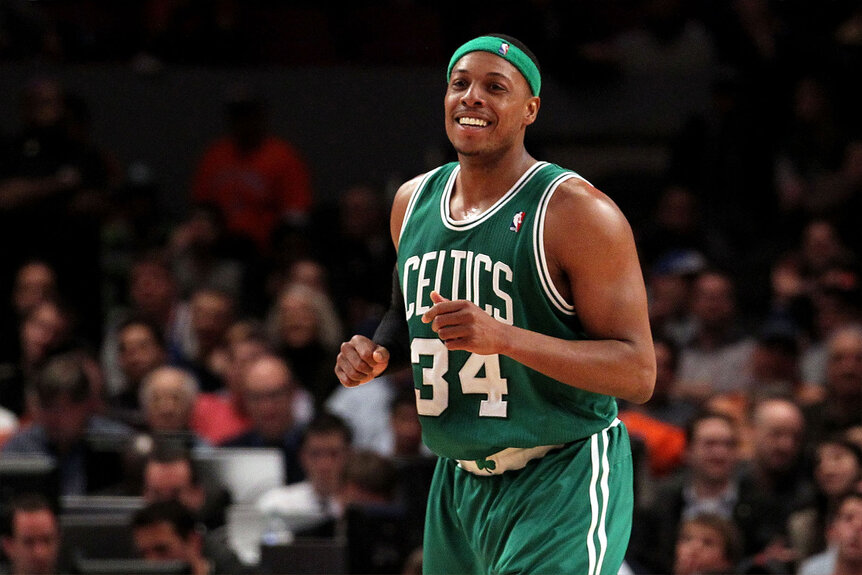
column 391, row 333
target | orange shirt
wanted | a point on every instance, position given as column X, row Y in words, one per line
column 665, row 443
column 255, row 190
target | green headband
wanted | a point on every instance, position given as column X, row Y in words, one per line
column 509, row 52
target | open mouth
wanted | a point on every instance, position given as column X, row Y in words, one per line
column 469, row 121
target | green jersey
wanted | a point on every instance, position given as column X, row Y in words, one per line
column 472, row 405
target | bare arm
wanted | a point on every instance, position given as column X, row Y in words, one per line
column 592, row 256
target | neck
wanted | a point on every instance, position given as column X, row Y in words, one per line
column 483, row 180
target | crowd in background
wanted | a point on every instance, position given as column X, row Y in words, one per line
column 221, row 329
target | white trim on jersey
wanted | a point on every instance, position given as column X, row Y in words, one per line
column 460, row 225
column 411, row 204
column 539, row 246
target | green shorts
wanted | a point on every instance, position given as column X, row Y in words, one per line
column 567, row 512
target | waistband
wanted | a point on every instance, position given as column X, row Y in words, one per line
column 512, row 458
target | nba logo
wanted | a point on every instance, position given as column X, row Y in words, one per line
column 504, row 49
column 517, row 220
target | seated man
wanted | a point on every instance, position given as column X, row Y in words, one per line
column 170, row 473
column 31, row 537
column 269, row 392
column 167, row 531
column 323, row 454
column 87, row 446
column 167, row 396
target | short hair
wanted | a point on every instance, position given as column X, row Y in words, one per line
column 150, row 325
column 693, row 423
column 843, row 441
column 173, row 512
column 189, row 381
column 166, row 451
column 63, row 374
column 733, row 543
column 26, row 502
column 327, row 422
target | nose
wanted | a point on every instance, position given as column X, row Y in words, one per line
column 473, row 95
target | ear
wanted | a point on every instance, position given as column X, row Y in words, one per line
column 531, row 110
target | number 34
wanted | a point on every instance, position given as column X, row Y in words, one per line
column 490, row 383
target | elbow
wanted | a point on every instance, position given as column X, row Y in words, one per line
column 643, row 382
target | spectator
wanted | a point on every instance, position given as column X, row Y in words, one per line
column 707, row 543
column 222, row 414
column 669, row 285
column 167, row 531
column 168, row 395
column 716, row 359
column 841, row 407
column 307, row 333
column 46, row 329
column 31, row 539
column 212, row 311
column 706, row 483
column 153, row 295
column 258, row 179
column 170, row 473
column 67, row 427
column 835, row 297
column 52, row 188
column 141, row 348
column 323, row 454
column 847, row 535
column 269, row 391
column 773, row 482
column 204, row 254
column 35, row 282
column 775, row 362
column 837, row 472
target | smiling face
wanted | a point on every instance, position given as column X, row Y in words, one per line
column 488, row 105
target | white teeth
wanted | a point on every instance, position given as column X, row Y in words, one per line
column 472, row 122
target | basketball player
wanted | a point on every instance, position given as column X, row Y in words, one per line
column 526, row 315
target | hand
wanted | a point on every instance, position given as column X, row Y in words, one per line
column 461, row 324
column 360, row 360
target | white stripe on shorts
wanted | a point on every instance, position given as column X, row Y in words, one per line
column 598, row 506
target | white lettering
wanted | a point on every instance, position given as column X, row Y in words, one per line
column 423, row 282
column 457, row 256
column 411, row 263
column 481, row 261
column 502, row 269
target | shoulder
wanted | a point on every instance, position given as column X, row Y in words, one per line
column 400, row 203
column 581, row 216
column 577, row 199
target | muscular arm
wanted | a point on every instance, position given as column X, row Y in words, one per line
column 592, row 258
